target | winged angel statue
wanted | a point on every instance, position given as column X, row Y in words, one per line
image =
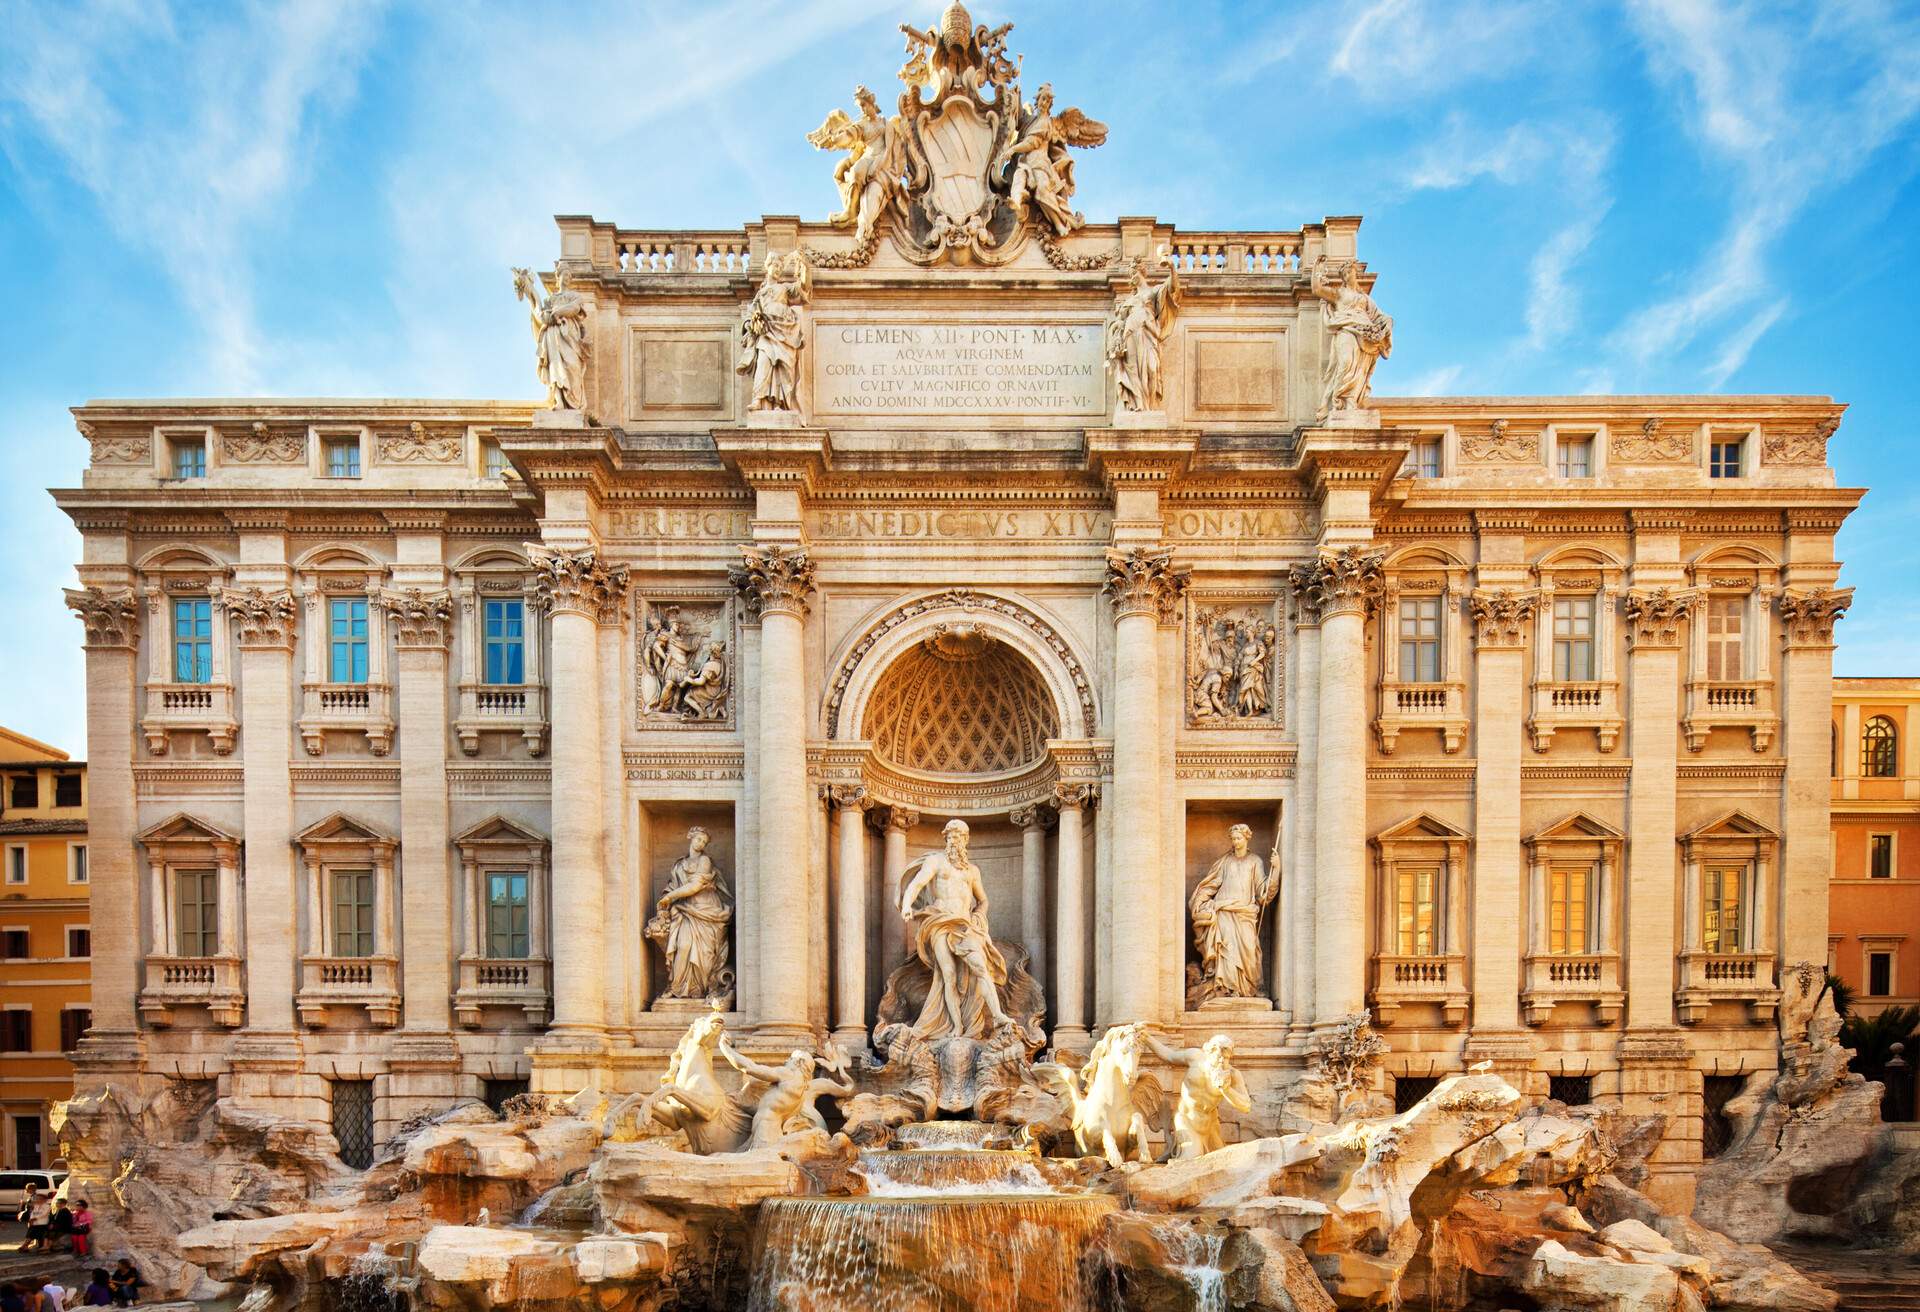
column 967, row 164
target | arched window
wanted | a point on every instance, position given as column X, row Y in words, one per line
column 1879, row 745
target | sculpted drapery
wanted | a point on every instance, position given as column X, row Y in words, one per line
column 1226, row 908
column 950, row 934
column 774, row 331
column 690, row 923
column 1140, row 322
column 1358, row 337
column 559, row 337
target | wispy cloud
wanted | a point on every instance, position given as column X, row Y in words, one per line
column 1392, row 48
column 186, row 129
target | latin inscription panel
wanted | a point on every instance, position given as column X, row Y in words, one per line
column 1002, row 369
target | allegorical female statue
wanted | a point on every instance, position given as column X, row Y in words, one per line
column 950, row 935
column 1140, row 322
column 774, row 331
column 1360, row 336
column 690, row 923
column 559, row 338
column 1226, row 908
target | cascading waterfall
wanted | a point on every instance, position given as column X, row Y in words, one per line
column 945, row 1229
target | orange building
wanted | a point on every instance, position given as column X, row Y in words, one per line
column 45, row 939
column 1873, row 933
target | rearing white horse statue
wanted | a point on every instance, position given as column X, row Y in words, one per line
column 1107, row 1119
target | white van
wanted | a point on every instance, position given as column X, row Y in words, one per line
column 13, row 1188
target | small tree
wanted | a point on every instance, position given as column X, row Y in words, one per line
column 1842, row 995
column 1872, row 1037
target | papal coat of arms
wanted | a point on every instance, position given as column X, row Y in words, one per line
column 967, row 166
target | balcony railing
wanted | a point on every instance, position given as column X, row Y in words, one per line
column 1236, row 252
column 1436, row 980
column 1591, row 977
column 211, row 982
column 522, row 982
column 348, row 707
column 500, row 708
column 189, row 708
column 1575, row 704
column 1404, row 706
column 1709, row 978
column 371, row 983
column 1735, row 704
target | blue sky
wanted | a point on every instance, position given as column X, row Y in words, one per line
column 324, row 197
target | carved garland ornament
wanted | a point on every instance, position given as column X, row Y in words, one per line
column 1808, row 617
column 1654, row 615
column 773, row 580
column 262, row 446
column 1804, row 447
column 1501, row 616
column 111, row 619
column 1651, row 445
column 961, row 599
column 419, row 618
column 418, row 446
column 1144, row 582
column 1500, row 446
column 266, row 618
column 116, row 450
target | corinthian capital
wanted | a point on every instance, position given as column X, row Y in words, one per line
column 1143, row 582
column 1501, row 616
column 1806, row 618
column 773, row 580
column 419, row 618
column 266, row 618
column 576, row 581
column 1654, row 615
column 1347, row 581
column 112, row 619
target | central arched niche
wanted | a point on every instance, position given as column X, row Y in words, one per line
column 961, row 702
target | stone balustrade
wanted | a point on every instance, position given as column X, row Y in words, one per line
column 1590, row 977
column 1709, row 978
column 523, row 982
column 189, row 708
column 1441, row 706
column 1581, row 704
column 354, row 707
column 1438, row 979
column 1729, row 703
column 212, row 983
column 369, row 982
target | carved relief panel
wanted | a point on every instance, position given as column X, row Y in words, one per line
column 686, row 662
column 1234, row 661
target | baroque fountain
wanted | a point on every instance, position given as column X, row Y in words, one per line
column 954, row 1168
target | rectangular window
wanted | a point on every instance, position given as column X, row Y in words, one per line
column 505, row 640
column 1726, row 624
column 1420, row 639
column 66, row 790
column 1423, row 458
column 1575, row 457
column 1567, row 911
column 16, row 864
column 15, row 945
column 74, row 1024
column 23, row 792
column 1727, row 459
column 189, row 457
column 507, row 934
column 77, row 863
column 353, row 913
column 16, row 1031
column 1417, row 901
column 79, row 941
column 493, row 460
column 1573, row 652
column 353, row 1121
column 193, row 640
column 1720, row 919
column 1879, row 974
column 343, row 457
column 347, row 640
column 1880, row 856
column 198, row 892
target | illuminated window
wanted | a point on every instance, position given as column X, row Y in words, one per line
column 1879, row 746
column 1416, row 904
column 1720, row 918
column 1567, row 911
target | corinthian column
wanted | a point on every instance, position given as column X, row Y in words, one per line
column 775, row 583
column 1144, row 587
column 1295, row 955
column 1032, row 822
column 577, row 592
column 1343, row 584
column 1502, row 619
column 1070, row 918
column 850, row 914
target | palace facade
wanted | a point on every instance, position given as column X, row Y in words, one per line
column 401, row 712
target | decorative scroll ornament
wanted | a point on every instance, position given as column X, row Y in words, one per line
column 1345, row 581
column 115, row 449
column 1800, row 447
column 1501, row 616
column 560, row 340
column 265, row 618
column 1654, row 615
column 1650, row 445
column 1141, row 319
column 1499, row 445
column 576, row 582
column 773, row 580
column 419, row 618
column 966, row 166
column 1143, row 582
column 773, row 332
column 418, row 446
column 111, row 619
column 1360, row 337
column 1075, row 797
column 1808, row 617
column 260, row 445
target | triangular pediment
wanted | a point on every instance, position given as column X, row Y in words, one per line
column 341, row 828
column 1578, row 826
column 1734, row 824
column 499, row 829
column 183, row 828
column 1425, row 827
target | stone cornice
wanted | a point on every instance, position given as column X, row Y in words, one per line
column 773, row 458
column 111, row 617
column 773, row 580
column 1144, row 582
